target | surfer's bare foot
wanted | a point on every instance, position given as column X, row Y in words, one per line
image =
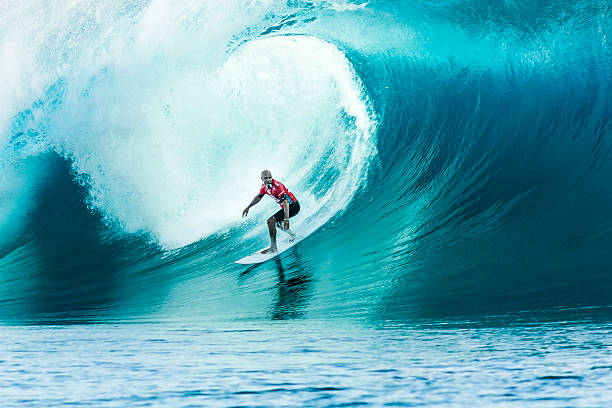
column 269, row 250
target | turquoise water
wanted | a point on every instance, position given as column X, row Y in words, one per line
column 293, row 364
column 452, row 161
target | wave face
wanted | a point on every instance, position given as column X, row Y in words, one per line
column 449, row 159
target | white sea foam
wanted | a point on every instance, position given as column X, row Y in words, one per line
column 179, row 155
column 170, row 133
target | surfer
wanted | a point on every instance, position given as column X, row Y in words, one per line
column 289, row 206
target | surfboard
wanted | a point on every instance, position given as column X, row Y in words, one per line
column 281, row 246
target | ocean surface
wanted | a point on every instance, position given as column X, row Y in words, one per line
column 452, row 159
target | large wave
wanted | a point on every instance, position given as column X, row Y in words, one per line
column 456, row 156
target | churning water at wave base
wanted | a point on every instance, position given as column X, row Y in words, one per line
column 453, row 165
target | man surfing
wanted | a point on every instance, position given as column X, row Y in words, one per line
column 289, row 207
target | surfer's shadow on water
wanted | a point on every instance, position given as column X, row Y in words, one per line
column 294, row 286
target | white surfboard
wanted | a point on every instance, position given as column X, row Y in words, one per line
column 281, row 246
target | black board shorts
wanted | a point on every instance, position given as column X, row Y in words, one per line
column 294, row 208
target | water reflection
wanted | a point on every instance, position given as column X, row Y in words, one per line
column 294, row 288
column 294, row 284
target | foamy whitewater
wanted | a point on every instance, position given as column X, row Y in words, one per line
column 167, row 141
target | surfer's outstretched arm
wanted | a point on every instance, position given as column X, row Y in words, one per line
column 255, row 200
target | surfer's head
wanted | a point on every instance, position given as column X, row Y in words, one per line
column 266, row 177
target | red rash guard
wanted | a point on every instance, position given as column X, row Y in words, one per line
column 278, row 192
